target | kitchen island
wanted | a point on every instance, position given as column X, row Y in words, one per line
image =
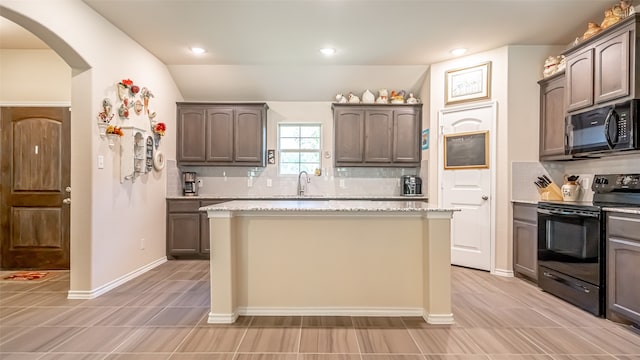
column 352, row 258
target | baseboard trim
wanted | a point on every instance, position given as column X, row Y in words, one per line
column 328, row 311
column 439, row 319
column 503, row 273
column 222, row 318
column 92, row 294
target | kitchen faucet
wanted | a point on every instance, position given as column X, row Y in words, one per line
column 302, row 187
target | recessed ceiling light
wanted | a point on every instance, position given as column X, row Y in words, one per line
column 198, row 50
column 459, row 51
column 328, row 51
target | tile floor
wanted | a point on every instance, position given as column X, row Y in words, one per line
column 162, row 315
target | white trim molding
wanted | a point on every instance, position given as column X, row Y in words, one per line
column 222, row 318
column 503, row 273
column 92, row 294
column 329, row 311
column 439, row 319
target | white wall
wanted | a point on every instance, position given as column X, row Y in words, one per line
column 34, row 77
column 108, row 218
column 514, row 73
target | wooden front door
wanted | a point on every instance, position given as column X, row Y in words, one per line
column 35, row 159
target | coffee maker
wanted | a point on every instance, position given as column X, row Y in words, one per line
column 189, row 184
column 411, row 185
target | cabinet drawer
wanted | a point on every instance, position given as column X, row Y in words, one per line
column 525, row 212
column 624, row 225
column 183, row 206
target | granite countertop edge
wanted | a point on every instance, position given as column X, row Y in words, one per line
column 629, row 210
column 530, row 202
column 295, row 197
column 328, row 206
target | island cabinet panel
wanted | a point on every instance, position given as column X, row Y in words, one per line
column 191, row 134
column 231, row 134
column 377, row 135
column 602, row 69
column 623, row 257
column 525, row 241
column 552, row 116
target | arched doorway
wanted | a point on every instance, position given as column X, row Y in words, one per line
column 80, row 264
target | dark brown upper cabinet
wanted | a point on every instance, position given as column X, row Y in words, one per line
column 377, row 135
column 602, row 68
column 231, row 134
column 552, row 117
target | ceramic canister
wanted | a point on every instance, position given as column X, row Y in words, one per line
column 570, row 191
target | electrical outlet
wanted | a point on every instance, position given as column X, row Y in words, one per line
column 342, row 183
column 100, row 162
column 269, row 183
column 250, row 181
column 142, row 244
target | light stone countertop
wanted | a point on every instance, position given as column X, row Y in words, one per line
column 296, row 197
column 530, row 202
column 328, row 206
column 628, row 210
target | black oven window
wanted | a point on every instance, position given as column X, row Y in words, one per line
column 570, row 239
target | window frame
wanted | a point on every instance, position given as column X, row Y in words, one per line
column 280, row 150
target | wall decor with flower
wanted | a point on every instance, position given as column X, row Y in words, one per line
column 132, row 102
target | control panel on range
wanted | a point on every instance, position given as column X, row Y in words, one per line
column 623, row 182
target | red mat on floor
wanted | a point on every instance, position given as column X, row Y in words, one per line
column 26, row 275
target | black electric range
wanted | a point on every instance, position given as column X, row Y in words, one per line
column 571, row 241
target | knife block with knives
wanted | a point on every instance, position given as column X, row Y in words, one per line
column 547, row 189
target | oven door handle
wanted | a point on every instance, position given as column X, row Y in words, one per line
column 565, row 213
column 566, row 282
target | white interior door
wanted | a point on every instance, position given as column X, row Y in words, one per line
column 469, row 189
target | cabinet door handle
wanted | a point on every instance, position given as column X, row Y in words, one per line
column 567, row 282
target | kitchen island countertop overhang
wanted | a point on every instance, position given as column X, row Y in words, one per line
column 352, row 258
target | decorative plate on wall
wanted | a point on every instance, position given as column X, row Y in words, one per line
column 158, row 160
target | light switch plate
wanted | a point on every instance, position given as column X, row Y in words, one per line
column 100, row 161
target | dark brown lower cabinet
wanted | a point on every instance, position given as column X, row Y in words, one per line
column 623, row 259
column 525, row 241
column 188, row 229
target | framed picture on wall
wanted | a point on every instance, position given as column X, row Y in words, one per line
column 468, row 84
column 466, row 150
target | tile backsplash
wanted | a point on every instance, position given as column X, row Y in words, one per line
column 524, row 173
column 243, row 181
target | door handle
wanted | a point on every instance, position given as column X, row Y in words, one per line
column 485, row 197
column 68, row 189
column 66, row 201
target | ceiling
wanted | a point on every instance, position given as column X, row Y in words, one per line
column 269, row 50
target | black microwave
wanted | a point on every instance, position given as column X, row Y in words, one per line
column 611, row 128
